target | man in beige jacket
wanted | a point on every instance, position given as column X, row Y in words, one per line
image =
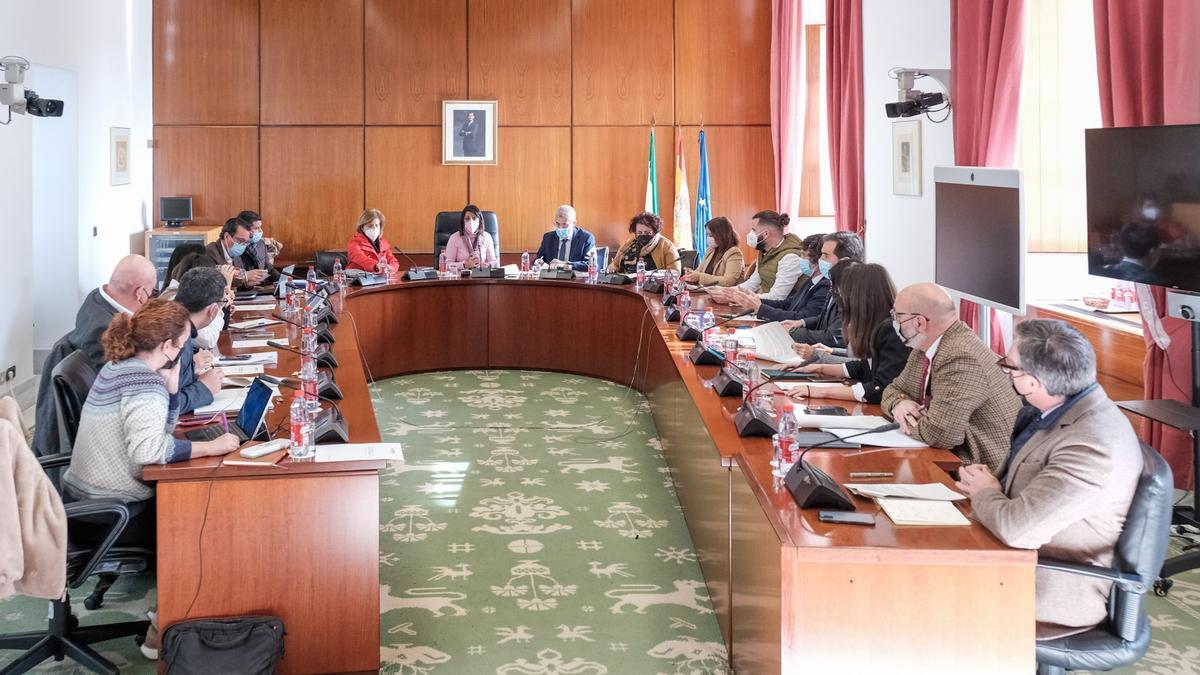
column 950, row 393
column 1069, row 476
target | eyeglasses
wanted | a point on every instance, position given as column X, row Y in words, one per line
column 896, row 315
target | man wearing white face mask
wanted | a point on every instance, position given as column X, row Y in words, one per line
column 566, row 244
column 235, row 237
column 778, row 269
column 256, row 256
column 950, row 393
column 367, row 250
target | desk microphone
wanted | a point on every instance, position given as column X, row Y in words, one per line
column 813, row 488
column 324, row 358
column 329, row 425
column 416, row 272
column 655, row 285
column 751, row 420
column 321, row 330
column 689, row 333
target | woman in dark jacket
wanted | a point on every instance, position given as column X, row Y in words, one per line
column 865, row 296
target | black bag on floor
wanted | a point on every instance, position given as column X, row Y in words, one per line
column 245, row 645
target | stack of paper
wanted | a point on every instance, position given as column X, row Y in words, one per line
column 254, row 323
column 226, row 400
column 265, row 358
column 843, row 422
column 922, row 512
column 257, row 307
column 346, row 452
column 249, row 344
column 241, row 370
column 926, row 491
column 772, row 342
column 887, row 439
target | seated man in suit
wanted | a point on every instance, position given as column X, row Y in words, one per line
column 202, row 294
column 567, row 244
column 228, row 250
column 132, row 284
column 809, row 299
column 256, row 256
column 826, row 328
column 1141, row 247
column 950, row 393
column 1070, row 474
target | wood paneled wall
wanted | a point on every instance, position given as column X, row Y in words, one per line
column 311, row 110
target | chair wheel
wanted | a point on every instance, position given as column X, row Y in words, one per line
column 1162, row 587
column 92, row 602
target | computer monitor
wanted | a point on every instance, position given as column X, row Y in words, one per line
column 254, row 409
column 979, row 246
column 175, row 211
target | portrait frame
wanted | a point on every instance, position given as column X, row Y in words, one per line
column 906, row 158
column 119, row 155
column 466, row 139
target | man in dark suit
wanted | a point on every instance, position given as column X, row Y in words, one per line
column 235, row 238
column 256, row 257
column 1140, row 244
column 566, row 243
column 132, row 284
column 839, row 250
column 472, row 137
column 202, row 294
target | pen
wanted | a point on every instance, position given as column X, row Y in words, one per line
column 871, row 474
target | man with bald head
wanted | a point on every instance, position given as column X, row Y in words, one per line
column 950, row 393
column 133, row 282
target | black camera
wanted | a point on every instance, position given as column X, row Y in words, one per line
column 42, row 107
column 919, row 103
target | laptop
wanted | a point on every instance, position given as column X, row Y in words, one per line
column 249, row 420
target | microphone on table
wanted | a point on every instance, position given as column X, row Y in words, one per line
column 751, row 420
column 654, row 285
column 813, row 488
column 416, row 272
column 323, row 356
column 689, row 333
column 329, row 425
column 321, row 330
column 321, row 305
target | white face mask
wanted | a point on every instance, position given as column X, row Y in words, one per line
column 1150, row 213
column 752, row 239
column 470, row 225
column 371, row 232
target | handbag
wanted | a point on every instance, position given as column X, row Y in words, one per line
column 244, row 645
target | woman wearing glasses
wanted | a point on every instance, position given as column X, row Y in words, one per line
column 865, row 295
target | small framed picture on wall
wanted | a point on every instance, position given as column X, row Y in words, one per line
column 118, row 154
column 906, row 158
column 469, row 132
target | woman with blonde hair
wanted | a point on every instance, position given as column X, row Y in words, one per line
column 367, row 250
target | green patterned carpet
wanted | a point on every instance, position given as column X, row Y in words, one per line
column 532, row 530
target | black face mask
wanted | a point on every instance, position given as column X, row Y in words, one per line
column 761, row 247
column 642, row 239
column 171, row 364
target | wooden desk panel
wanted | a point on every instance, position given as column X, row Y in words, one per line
column 1120, row 350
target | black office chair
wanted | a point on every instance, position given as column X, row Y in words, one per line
column 177, row 255
column 688, row 258
column 447, row 222
column 325, row 261
column 1124, row 638
column 64, row 637
column 601, row 258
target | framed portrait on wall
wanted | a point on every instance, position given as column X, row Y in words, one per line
column 906, row 158
column 118, row 156
column 469, row 132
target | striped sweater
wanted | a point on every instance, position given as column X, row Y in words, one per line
column 126, row 423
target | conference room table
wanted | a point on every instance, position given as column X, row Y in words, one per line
column 791, row 594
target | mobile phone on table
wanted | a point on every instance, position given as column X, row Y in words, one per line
column 826, row 410
column 846, row 518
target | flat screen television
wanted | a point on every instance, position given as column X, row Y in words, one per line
column 1143, row 204
column 979, row 230
column 175, row 211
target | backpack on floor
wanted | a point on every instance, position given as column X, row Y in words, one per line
column 245, row 645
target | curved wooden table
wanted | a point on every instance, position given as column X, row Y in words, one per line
column 792, row 594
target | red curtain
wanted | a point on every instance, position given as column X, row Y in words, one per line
column 787, row 100
column 1148, row 62
column 844, row 99
column 986, row 54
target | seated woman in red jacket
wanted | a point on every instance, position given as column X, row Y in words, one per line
column 367, row 249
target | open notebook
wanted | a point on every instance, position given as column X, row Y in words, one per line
column 772, row 342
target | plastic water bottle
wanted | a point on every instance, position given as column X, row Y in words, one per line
column 312, row 280
column 525, row 264
column 442, row 265
column 339, row 274
column 729, row 345
column 750, row 380
column 668, row 283
column 707, row 321
column 308, row 383
column 739, row 362
column 285, row 298
column 781, row 451
column 593, row 267
column 302, row 446
column 786, row 420
column 685, row 306
column 308, row 335
column 641, row 274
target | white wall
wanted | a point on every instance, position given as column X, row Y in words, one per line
column 913, row 34
column 106, row 43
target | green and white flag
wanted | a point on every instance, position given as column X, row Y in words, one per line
column 651, row 180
